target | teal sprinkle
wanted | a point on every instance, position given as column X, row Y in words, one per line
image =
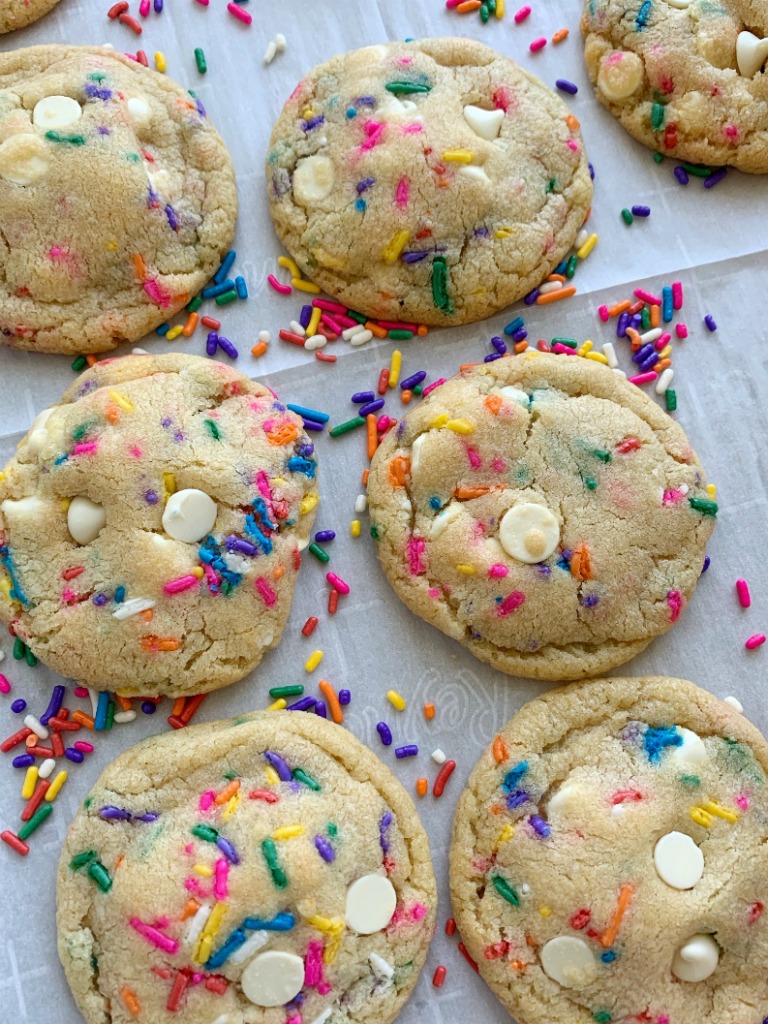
column 514, row 775
column 640, row 22
column 360, row 205
column 589, row 482
column 212, row 429
column 658, row 158
column 690, row 780
column 603, row 1016
column 657, row 117
column 70, row 140
column 301, row 776
column 609, row 956
column 133, row 158
column 505, row 890
column 703, row 505
column 333, row 828
column 602, row 454
column 375, row 532
column 434, row 503
column 351, row 112
column 551, row 186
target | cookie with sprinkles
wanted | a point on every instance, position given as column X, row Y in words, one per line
column 543, row 512
column 608, row 859
column 431, row 181
column 684, row 77
column 264, row 869
column 118, row 199
column 152, row 523
column 18, row 13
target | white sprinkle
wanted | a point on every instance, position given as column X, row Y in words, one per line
column 550, row 286
column 280, row 42
column 619, row 373
column 438, row 756
column 251, row 945
column 525, row 889
column 265, row 337
column 298, row 329
column 733, row 701
column 94, row 695
column 122, row 717
column 581, row 238
column 361, row 503
column 316, row 341
column 349, row 332
column 664, row 380
column 197, row 924
column 37, row 728
column 2, row 655
column 361, row 339
column 381, row 967
column 132, row 607
column 139, row 352
column 269, row 53
column 46, row 768
column 653, row 335
column 610, row 354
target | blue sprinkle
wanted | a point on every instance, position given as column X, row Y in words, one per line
column 707, row 563
column 170, row 213
column 514, row 775
column 609, row 956
column 282, row 922
column 119, row 595
column 241, row 287
column 643, row 15
column 306, row 466
column 351, row 112
column 655, row 740
column 226, row 265
column 360, row 205
column 434, row 503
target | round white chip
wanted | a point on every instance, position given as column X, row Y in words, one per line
column 620, row 75
column 691, row 753
column 189, row 515
column 696, row 959
column 85, row 519
column 568, row 961
column 56, row 112
column 529, row 532
column 678, row 860
column 371, row 902
column 273, row 978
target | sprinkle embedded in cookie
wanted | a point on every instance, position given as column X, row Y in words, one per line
column 544, row 513
column 151, row 526
column 432, row 181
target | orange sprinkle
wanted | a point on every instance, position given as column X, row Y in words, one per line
column 493, row 403
column 663, row 364
column 619, row 308
column 587, row 215
column 557, row 277
column 178, row 705
column 159, row 643
column 406, row 396
column 366, row 473
column 468, row 366
column 191, row 907
column 655, row 316
column 228, row 792
column 32, row 740
column 468, row 5
column 399, row 468
column 609, row 935
column 561, row 293
column 91, row 360
column 520, row 346
column 581, row 566
column 119, row 862
column 332, row 700
column 422, row 786
column 260, row 349
column 279, row 572
column 560, row 35
column 500, row 750
column 284, row 434
column 147, row 615
column 139, row 266
column 82, row 719
column 132, row 1004
column 126, row 704
column 376, row 331
column 496, row 809
column 533, row 943
column 372, row 436
column 518, row 965
column 189, row 327
column 573, row 123
column 468, row 493
column 429, row 711
column 113, row 415
column 422, row 330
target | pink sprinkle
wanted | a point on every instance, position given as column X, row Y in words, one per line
column 5, row 686
column 204, row 3
column 337, row 582
column 742, row 589
column 135, row 451
column 68, row 596
column 401, row 192
column 153, row 936
column 189, row 849
column 313, row 964
column 663, row 1019
column 434, row 593
column 374, row 130
column 643, row 378
column 672, row 497
column 605, row 316
column 418, row 911
column 412, row 129
column 681, row 330
column 323, row 988
column 743, row 802
column 87, row 748
column 331, row 324
column 283, row 289
column 662, row 341
column 221, row 878
column 206, row 799
column 498, row 465
column 522, row 14
column 563, row 350
column 182, row 583
column 415, row 549
column 502, row 99
column 677, row 294
column 498, row 571
column 267, row 593
column 144, row 8
column 622, row 795
column 194, row 885
column 474, row 458
column 573, row 145
column 81, row 691
column 641, row 293
column 239, row 13
column 156, row 293
column 755, row 641
column 452, row 3
column 538, row 44
column 211, row 578
column 262, row 482
column 295, row 1019
column 510, row 603
column 330, row 306
column 85, row 448
column 731, row 131
column 432, row 386
column 675, row 602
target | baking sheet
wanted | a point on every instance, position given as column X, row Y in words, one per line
column 714, row 241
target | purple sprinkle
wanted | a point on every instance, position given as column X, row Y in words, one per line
column 482, row 232
column 212, row 343
column 57, row 699
column 282, row 769
column 226, row 345
column 313, row 122
column 540, row 827
column 166, row 422
column 100, row 600
column 642, row 353
column 170, row 213
column 590, row 601
column 149, row 816
column 20, row 705
column 324, row 536
column 531, row 297
column 409, row 750
column 416, row 256
column 517, row 799
column 110, row 813
column 228, row 850
column 345, row 697
column 320, row 709
column 649, row 363
column 200, row 107
column 709, row 320
column 74, row 755
column 148, row 707
column 370, row 407
column 314, row 425
column 364, row 184
column 492, row 357
column 641, row 211
column 362, row 397
column 95, row 92
column 385, row 733
column 520, row 334
column 636, row 322
column 158, row 6
column 103, row 130
column 325, row 849
column 305, row 315
column 306, row 450
column 304, row 704
column 384, row 824
column 565, row 86
column 621, row 326
column 365, row 101
column 151, row 497
column 410, row 382
column 243, row 546
column 591, row 171
column 715, row 178
column 499, row 344
column 682, row 175
column 707, row 563
column 25, row 760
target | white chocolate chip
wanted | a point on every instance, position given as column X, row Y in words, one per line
column 139, row 110
column 443, row 519
column 568, row 961
column 133, row 606
column 678, row 860
column 38, row 435
column 516, row 395
column 474, row 172
column 55, row 113
column 529, row 532
column 485, row 123
column 371, row 902
column 751, row 53
column 23, row 159
column 735, row 703
column 313, row 179
column 691, row 753
column 620, row 75
column 566, row 798
column 680, row 4
column 189, row 515
column 273, row 978
column 696, row 959
column 416, row 453
column 85, row 519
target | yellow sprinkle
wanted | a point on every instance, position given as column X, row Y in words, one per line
column 314, row 321
column 665, row 352
column 313, row 661
column 334, row 929
column 2, row 477
column 308, row 502
column 396, row 700
column 203, row 950
column 174, row 332
column 545, row 911
column 439, row 421
column 598, row 357
column 587, row 247
column 203, row 870
column 213, row 924
column 354, row 527
column 111, row 246
column 122, row 401
column 231, row 806
column 721, row 812
column 586, row 347
column 395, row 246
column 287, row 262
column 169, row 483
column 501, row 232
column 712, row 491
column 53, row 790
column 198, row 571
column 279, row 705
column 701, row 817
column 467, row 570
column 322, row 924
column 30, row 781
column 500, row 8
column 459, row 156
column 65, row 503
column 307, row 112
column 305, row 286
column 461, row 426
column 5, row 587
column 161, row 64
column 505, row 835
column 271, row 775
column 288, row 832
column 395, row 364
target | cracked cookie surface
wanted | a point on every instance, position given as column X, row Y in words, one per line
column 561, row 884
column 18, row 13
column 543, row 512
column 151, row 526
column 433, row 181
column 118, row 199
column 684, row 77
column 264, row 869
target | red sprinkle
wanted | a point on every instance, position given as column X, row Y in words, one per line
column 450, row 926
column 75, row 570
column 210, row 321
column 177, row 991
column 117, row 9
column 580, row 919
column 333, row 601
column 319, row 354
column 14, row 842
column 442, row 777
column 438, row 977
column 383, row 381
column 131, row 22
column 465, row 953
column 263, row 794
column 309, row 626
column 294, row 339
column 15, row 740
column 36, row 799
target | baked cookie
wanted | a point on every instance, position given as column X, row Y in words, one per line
column 543, row 512
column 151, row 526
column 609, row 858
column 684, row 77
column 264, row 869
column 432, row 181
column 18, row 13
column 118, row 199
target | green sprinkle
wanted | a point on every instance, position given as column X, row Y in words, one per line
column 375, row 531
column 590, row 483
column 80, row 431
column 626, row 216
column 602, row 1017
column 344, row 428
column 96, row 76
column 360, row 317
column 440, row 295
column 226, row 298
column 505, row 890
column 100, row 875
column 70, row 140
column 79, row 364
column 87, row 802
column 31, row 659
column 658, row 158
column 602, row 454
column 570, row 342
column 286, row 691
column 690, row 780
column 400, row 335
column 82, row 859
column 703, row 505
column 404, row 88
column 35, row 821
column 133, row 158
column 570, row 266
column 19, row 649
column 195, row 304
column 110, row 715
column 301, row 776
column 657, row 117
column 320, row 555
column 269, row 850
column 205, row 832
column 492, row 6
column 202, row 65
column 230, row 775
column 418, row 390
column 333, row 829
column 670, row 397
column 551, row 186
column 697, row 170
column 484, row 13
column 645, row 318
column 226, row 587
column 212, row 429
